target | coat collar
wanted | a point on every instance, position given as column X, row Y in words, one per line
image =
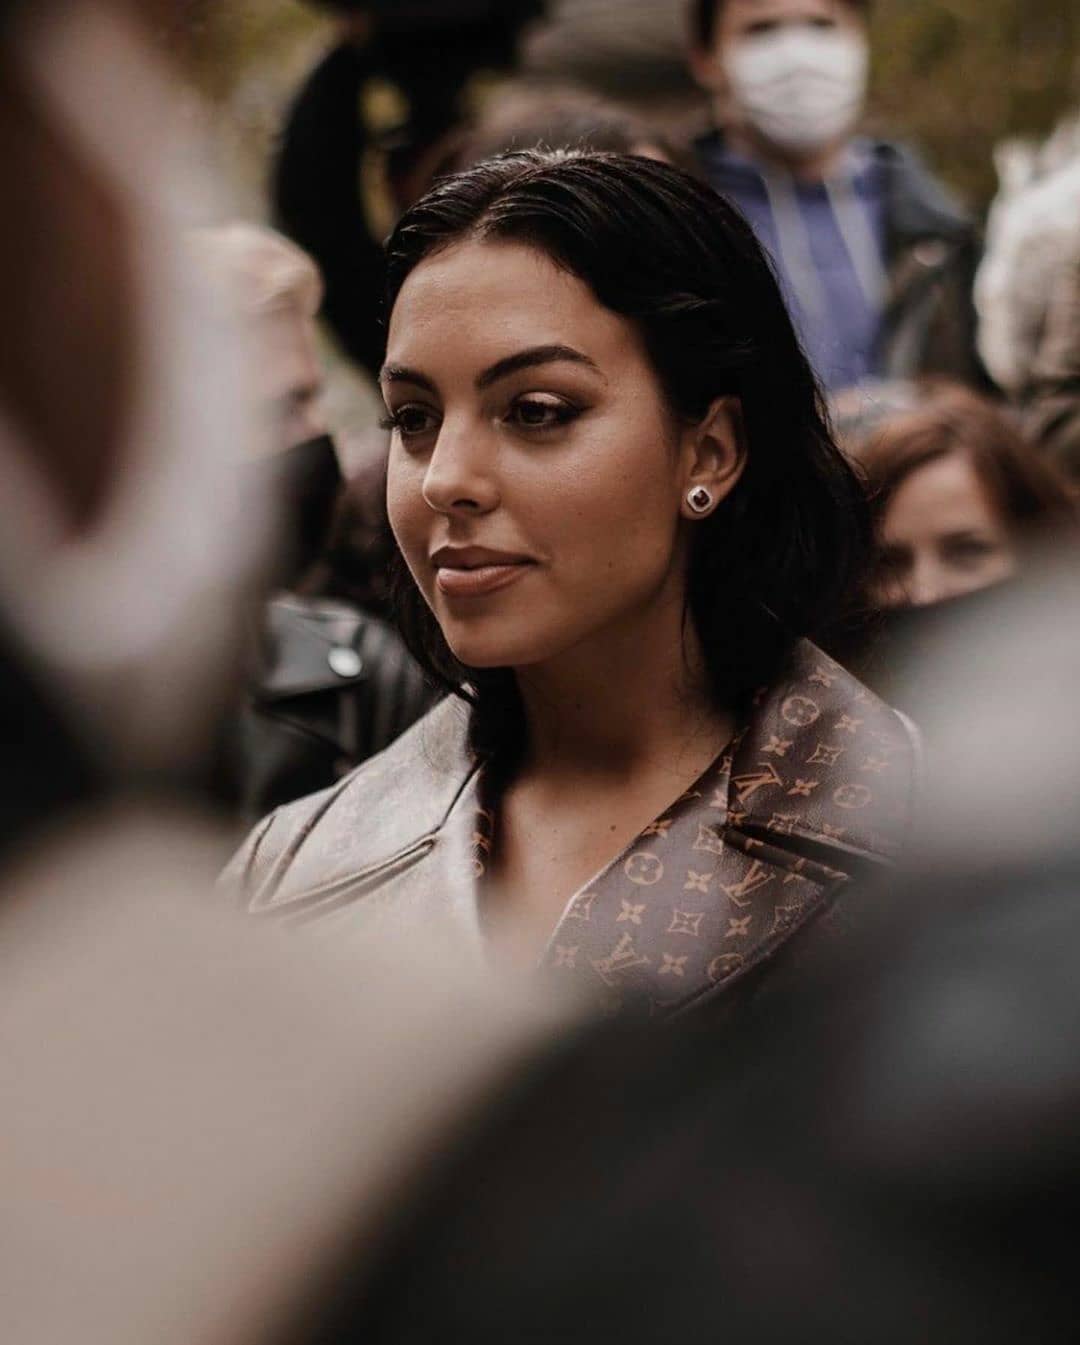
column 816, row 790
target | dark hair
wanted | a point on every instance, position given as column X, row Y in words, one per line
column 704, row 13
column 786, row 547
column 1033, row 499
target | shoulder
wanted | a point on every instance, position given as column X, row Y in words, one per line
column 841, row 766
column 399, row 794
column 919, row 203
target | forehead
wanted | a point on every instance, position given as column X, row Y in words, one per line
column 945, row 495
column 734, row 15
column 477, row 302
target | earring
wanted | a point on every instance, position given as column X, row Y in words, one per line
column 700, row 500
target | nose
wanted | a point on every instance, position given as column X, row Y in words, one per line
column 461, row 471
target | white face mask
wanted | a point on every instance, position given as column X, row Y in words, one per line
column 800, row 87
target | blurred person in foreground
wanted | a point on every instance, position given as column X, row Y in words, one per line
column 887, row 1151
column 1028, row 290
column 620, row 514
column 961, row 503
column 877, row 262
column 189, row 1123
column 363, row 135
column 333, row 684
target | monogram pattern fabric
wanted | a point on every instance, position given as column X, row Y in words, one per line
column 747, row 855
column 815, row 791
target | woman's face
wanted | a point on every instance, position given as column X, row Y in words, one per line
column 534, row 479
column 941, row 536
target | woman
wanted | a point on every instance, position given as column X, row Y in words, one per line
column 618, row 509
column 958, row 498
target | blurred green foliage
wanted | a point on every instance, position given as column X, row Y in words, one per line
column 953, row 77
column 957, row 76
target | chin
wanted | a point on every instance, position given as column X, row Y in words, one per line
column 493, row 648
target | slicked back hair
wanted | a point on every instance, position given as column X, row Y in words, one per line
column 783, row 552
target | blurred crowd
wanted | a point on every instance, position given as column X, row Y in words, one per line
column 223, row 1129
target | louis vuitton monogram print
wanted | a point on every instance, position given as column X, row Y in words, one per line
column 735, row 866
column 815, row 790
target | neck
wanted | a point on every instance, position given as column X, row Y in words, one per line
column 806, row 166
column 626, row 700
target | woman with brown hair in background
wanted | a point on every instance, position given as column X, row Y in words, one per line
column 958, row 498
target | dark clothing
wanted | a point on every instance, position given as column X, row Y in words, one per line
column 877, row 265
column 335, row 687
column 48, row 769
column 362, row 141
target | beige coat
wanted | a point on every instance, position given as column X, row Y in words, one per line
column 816, row 790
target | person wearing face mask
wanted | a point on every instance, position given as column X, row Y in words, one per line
column 332, row 684
column 877, row 262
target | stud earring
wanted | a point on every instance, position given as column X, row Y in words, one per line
column 700, row 500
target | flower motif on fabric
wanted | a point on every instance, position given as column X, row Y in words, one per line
column 581, row 907
column 800, row 711
column 708, row 840
column 826, row 754
column 644, row 869
column 686, row 922
column 673, row 966
column 724, row 966
column 630, row 913
column 852, row 797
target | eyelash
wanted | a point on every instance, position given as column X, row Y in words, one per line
column 562, row 414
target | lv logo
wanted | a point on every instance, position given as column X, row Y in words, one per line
column 757, row 877
column 622, row 957
column 746, row 786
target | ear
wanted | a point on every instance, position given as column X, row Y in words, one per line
column 713, row 455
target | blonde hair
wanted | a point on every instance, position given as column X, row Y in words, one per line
column 262, row 270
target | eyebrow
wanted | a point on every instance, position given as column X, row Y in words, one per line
column 512, row 364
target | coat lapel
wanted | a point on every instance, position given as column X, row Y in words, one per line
column 815, row 790
column 688, row 908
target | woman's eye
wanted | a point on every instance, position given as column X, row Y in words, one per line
column 541, row 413
column 969, row 552
column 410, row 421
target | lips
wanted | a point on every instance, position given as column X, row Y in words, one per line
column 467, row 572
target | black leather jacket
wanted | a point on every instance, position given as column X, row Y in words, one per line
column 334, row 686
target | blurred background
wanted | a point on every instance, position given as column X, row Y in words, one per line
column 955, row 77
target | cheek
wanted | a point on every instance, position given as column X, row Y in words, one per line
column 404, row 502
column 621, row 497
